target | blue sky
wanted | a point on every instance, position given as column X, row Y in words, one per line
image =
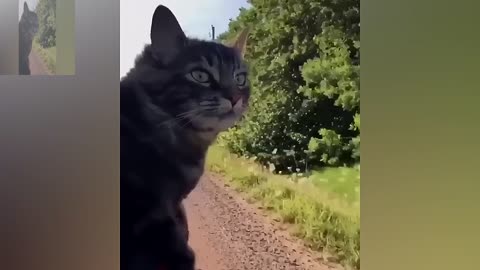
column 194, row 16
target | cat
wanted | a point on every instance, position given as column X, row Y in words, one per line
column 28, row 28
column 180, row 94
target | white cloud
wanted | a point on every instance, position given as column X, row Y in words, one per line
column 195, row 17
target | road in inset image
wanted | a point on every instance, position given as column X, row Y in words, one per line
column 37, row 67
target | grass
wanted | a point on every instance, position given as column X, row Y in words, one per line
column 48, row 55
column 317, row 208
column 342, row 181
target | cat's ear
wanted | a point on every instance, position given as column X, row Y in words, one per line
column 25, row 6
column 166, row 34
column 240, row 43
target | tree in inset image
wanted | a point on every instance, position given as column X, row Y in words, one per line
column 46, row 10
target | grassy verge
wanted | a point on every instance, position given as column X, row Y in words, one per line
column 48, row 55
column 321, row 216
column 344, row 182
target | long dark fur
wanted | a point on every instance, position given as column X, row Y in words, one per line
column 165, row 135
column 28, row 27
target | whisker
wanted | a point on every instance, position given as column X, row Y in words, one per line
column 188, row 112
column 189, row 120
column 210, row 108
column 189, row 116
column 179, row 118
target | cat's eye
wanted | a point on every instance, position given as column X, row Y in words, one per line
column 200, row 76
column 241, row 79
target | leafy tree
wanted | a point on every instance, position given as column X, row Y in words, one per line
column 305, row 62
column 46, row 11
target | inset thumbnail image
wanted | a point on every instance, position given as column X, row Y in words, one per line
column 39, row 44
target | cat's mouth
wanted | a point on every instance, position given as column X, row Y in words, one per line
column 227, row 115
column 217, row 118
column 214, row 123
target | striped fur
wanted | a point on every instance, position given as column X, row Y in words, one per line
column 180, row 94
column 27, row 28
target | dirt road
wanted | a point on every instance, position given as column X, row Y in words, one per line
column 37, row 67
column 227, row 233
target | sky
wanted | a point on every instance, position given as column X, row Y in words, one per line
column 195, row 18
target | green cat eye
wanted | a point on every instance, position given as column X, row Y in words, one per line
column 241, row 79
column 200, row 76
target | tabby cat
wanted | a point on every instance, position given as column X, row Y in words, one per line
column 179, row 95
column 28, row 27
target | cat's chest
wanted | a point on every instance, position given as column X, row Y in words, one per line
column 190, row 174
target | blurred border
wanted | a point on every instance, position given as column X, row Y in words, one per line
column 59, row 152
column 419, row 189
column 9, row 37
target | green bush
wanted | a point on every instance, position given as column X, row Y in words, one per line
column 304, row 60
column 47, row 31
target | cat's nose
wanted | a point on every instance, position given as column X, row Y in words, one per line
column 234, row 98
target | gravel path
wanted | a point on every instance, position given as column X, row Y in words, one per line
column 37, row 67
column 227, row 233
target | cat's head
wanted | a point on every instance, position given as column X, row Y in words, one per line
column 31, row 19
column 204, row 84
